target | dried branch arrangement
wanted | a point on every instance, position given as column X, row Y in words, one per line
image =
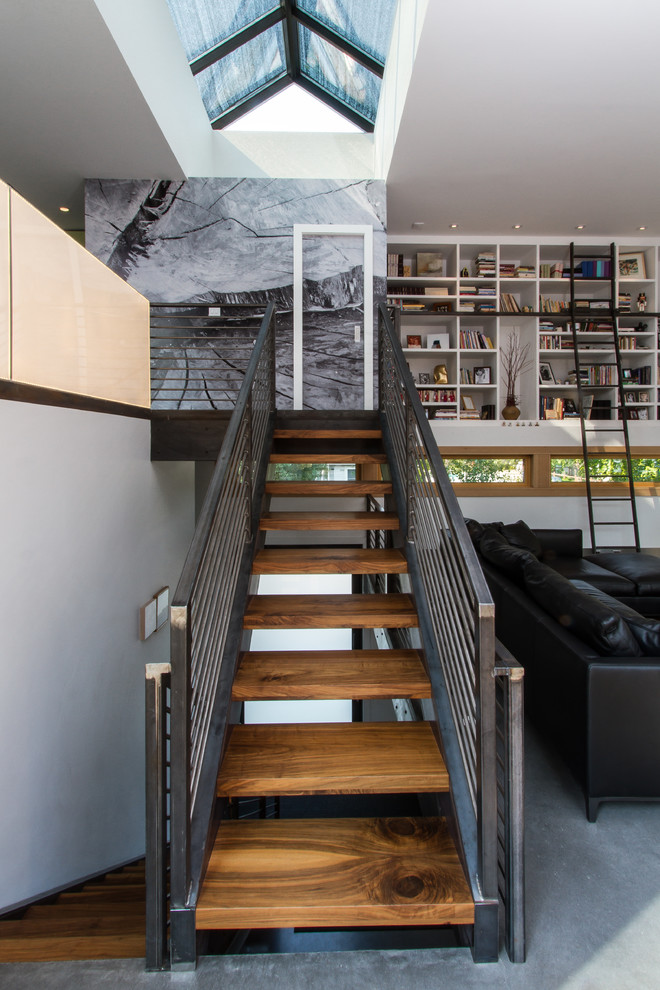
column 515, row 360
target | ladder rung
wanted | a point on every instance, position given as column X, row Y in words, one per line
column 610, row 498
column 618, row 522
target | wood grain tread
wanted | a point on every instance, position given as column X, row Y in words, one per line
column 329, row 520
column 56, row 948
column 315, row 458
column 330, row 612
column 353, row 433
column 334, row 758
column 330, row 674
column 328, row 560
column 333, row 873
column 349, row 489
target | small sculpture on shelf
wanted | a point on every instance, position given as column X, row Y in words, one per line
column 515, row 360
column 440, row 376
column 641, row 302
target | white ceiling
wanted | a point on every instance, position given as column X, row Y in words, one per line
column 546, row 115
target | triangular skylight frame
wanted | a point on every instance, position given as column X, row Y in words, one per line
column 289, row 15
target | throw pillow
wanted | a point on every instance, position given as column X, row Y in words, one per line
column 520, row 535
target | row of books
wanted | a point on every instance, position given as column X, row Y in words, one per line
column 625, row 302
column 554, row 270
column 555, row 342
column 594, row 268
column 509, row 303
column 484, row 265
column 477, row 290
column 475, row 340
column 548, row 305
column 396, row 267
column 468, row 377
column 512, row 270
column 467, row 306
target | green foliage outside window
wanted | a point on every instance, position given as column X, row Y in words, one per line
column 604, row 469
column 485, row 470
column 311, row 472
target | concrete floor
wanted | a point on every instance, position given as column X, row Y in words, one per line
column 593, row 917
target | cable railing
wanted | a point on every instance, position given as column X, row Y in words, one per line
column 200, row 353
column 206, row 630
column 457, row 623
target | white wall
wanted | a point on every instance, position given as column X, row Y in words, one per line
column 567, row 513
column 91, row 529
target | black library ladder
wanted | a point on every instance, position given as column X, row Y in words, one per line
column 594, row 378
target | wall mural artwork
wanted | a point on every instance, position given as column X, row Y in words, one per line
column 222, row 240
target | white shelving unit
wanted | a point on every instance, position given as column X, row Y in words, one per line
column 476, row 291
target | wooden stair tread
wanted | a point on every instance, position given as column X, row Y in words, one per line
column 356, row 433
column 329, row 674
column 333, row 873
column 77, row 926
column 328, row 560
column 329, row 520
column 48, row 948
column 312, row 457
column 355, row 489
column 330, row 612
column 334, row 758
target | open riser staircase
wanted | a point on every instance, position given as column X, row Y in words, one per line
column 331, row 872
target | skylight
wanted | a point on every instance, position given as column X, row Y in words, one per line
column 293, row 109
column 243, row 52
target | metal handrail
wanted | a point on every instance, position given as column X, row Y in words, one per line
column 457, row 623
column 200, row 353
column 206, row 629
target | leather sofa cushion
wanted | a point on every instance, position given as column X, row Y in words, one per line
column 501, row 554
column 580, row 613
column 646, row 631
column 643, row 569
column 559, row 543
column 578, row 568
column 520, row 535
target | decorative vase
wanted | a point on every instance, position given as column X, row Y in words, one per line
column 510, row 410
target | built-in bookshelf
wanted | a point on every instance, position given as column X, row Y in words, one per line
column 455, row 304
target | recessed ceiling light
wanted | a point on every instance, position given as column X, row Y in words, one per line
column 64, row 209
column 453, row 226
column 580, row 226
column 517, row 226
column 418, row 223
column 641, row 228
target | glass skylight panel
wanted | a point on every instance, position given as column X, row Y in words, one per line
column 242, row 72
column 339, row 74
column 367, row 25
column 203, row 24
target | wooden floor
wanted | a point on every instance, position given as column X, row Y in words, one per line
column 104, row 919
column 284, row 874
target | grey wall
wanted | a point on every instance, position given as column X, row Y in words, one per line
column 91, row 530
column 214, row 240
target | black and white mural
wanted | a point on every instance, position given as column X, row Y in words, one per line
column 219, row 240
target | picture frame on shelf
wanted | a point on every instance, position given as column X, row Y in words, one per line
column 437, row 341
column 626, row 374
column 642, row 414
column 430, row 263
column 468, row 402
column 632, row 264
column 424, row 378
column 413, row 340
column 546, row 374
column 442, row 307
column 643, row 397
column 630, row 398
column 482, row 376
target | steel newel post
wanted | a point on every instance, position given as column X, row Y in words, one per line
column 157, row 677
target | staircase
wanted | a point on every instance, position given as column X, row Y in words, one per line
column 331, row 872
column 101, row 919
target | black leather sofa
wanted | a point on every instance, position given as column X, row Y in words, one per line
column 592, row 669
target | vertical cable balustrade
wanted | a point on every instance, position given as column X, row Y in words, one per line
column 200, row 353
column 457, row 618
column 206, row 630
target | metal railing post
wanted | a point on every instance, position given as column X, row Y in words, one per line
column 157, row 680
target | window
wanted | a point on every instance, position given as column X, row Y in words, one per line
column 486, row 470
column 242, row 52
column 603, row 469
